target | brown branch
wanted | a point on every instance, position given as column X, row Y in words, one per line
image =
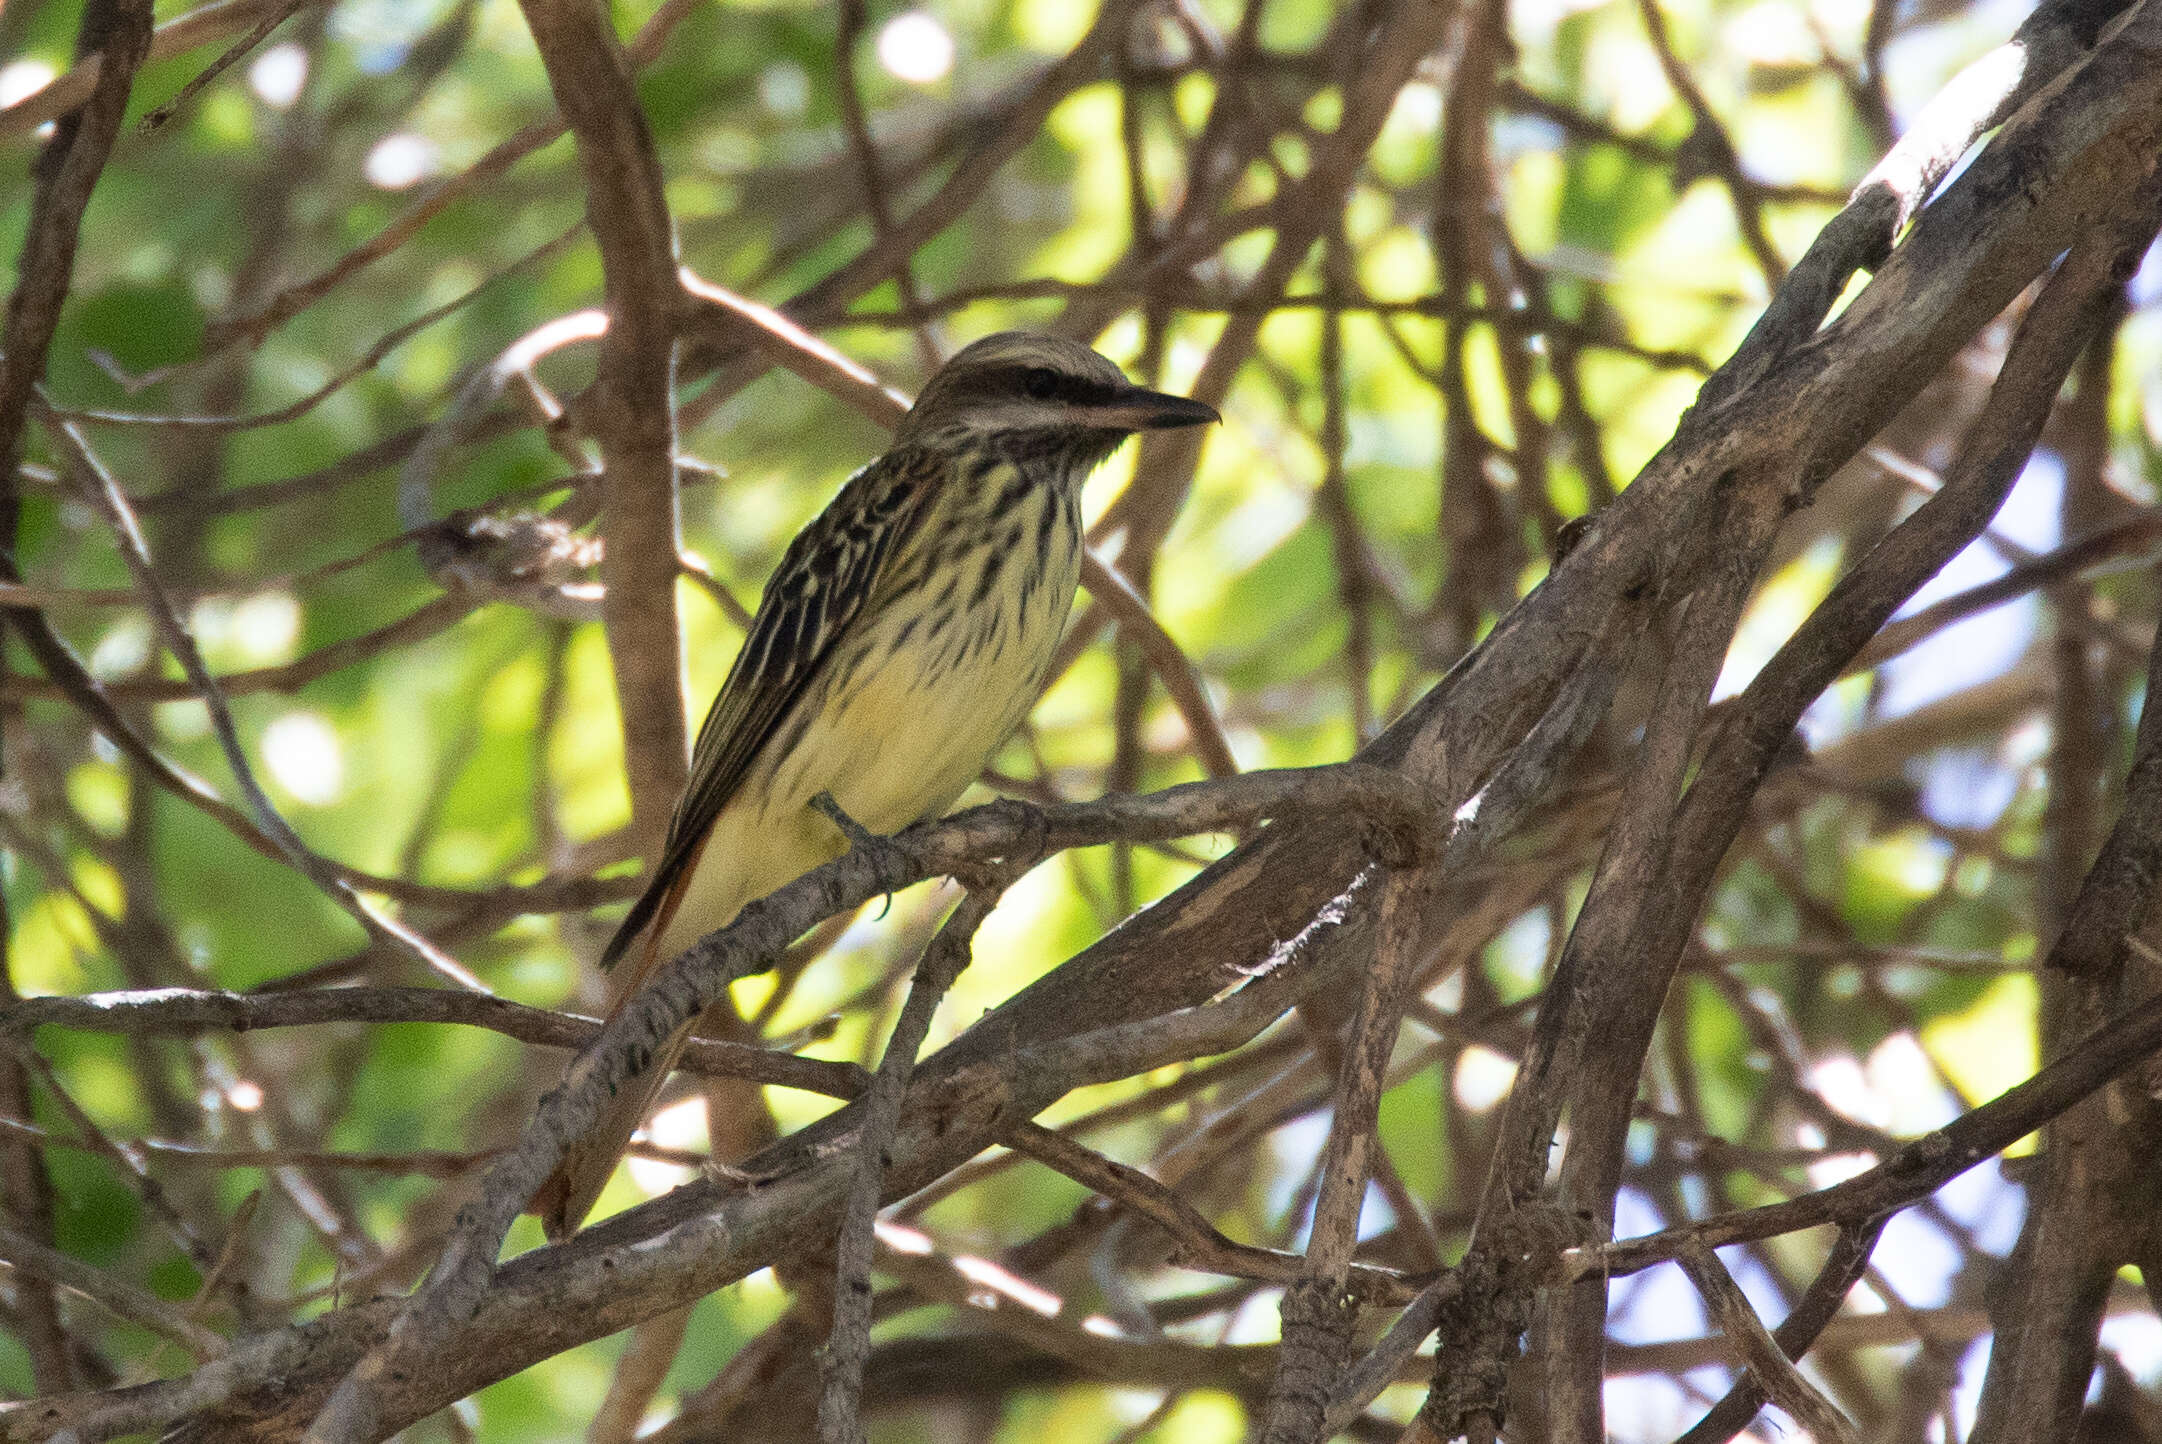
column 133, row 1174
column 1200, row 1246
column 179, row 1012
column 1177, row 294
column 425, row 621
column 870, row 173
column 1004, row 1305
column 719, row 317
column 735, row 366
column 1843, row 1268
column 2133, row 536
column 375, row 1389
column 1381, row 62
column 368, row 360
column 639, row 1375
column 1710, row 148
column 631, row 406
column 124, row 1299
column 26, row 1206
column 2091, row 1209
column 1578, row 126
column 848, row 1344
column 528, row 560
column 701, row 576
column 1601, row 1006
column 1773, row 1372
column 438, row 198
column 1318, row 1312
column 209, row 73
column 1182, row 681
column 1356, row 584
column 1983, row 95
column 183, row 33
column 103, row 494
column 1917, row 1170
column 1713, row 812
column 426, row 1164
column 65, row 174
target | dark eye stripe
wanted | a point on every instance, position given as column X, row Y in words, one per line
column 1041, row 383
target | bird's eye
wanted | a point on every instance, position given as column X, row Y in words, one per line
column 1039, row 383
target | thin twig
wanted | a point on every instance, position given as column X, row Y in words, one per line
column 124, row 1299
column 196, row 84
column 130, row 1168
column 849, row 1344
column 180, row 1012
column 1200, row 1246
column 102, row 493
column 1169, row 661
column 1768, row 1365
column 1318, row 1311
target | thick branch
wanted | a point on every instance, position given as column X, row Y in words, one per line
column 631, row 409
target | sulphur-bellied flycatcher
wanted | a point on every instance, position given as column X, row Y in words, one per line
column 903, row 638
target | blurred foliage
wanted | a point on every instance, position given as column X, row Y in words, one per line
column 1861, row 969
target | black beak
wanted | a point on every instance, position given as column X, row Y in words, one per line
column 1139, row 409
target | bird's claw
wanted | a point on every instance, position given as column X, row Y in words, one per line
column 860, row 838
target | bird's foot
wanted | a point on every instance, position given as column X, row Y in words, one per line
column 857, row 834
column 860, row 838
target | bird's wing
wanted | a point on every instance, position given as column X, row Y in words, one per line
column 819, row 589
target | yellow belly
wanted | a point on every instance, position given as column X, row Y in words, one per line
column 900, row 729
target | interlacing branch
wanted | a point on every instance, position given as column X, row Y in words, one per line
column 1398, row 812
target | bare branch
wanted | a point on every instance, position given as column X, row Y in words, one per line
column 631, row 410
column 129, row 1302
column 103, row 493
column 1774, row 1373
column 849, row 1343
column 177, row 36
column 179, row 1012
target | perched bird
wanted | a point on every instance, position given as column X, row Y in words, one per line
column 903, row 638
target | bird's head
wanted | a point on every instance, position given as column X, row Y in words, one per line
column 1019, row 391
